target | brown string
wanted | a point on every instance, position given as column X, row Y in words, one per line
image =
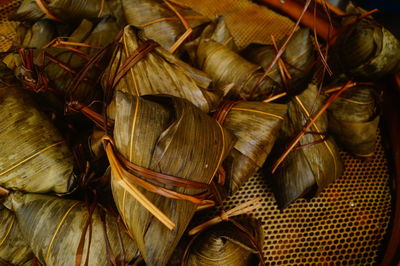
column 110, row 256
column 33, row 77
column 243, row 208
column 139, row 175
column 79, row 250
column 159, row 177
column 134, row 58
column 325, row 137
column 95, row 117
column 45, row 9
column 223, row 111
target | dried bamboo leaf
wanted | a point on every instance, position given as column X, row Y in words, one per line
column 159, row 72
column 40, row 34
column 95, row 35
column 365, row 50
column 13, row 247
column 158, row 21
column 42, row 161
column 298, row 57
column 316, row 163
column 225, row 244
column 216, row 31
column 58, row 229
column 71, row 11
column 354, row 119
column 170, row 136
column 226, row 67
column 256, row 126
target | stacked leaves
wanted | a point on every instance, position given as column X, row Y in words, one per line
column 226, row 67
column 37, row 35
column 67, row 231
column 159, row 72
column 365, row 50
column 165, row 136
column 225, row 244
column 315, row 163
column 298, row 58
column 42, row 162
column 256, row 126
column 62, row 65
column 354, row 120
column 13, row 247
column 71, row 11
column 159, row 22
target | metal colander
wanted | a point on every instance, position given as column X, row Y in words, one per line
column 345, row 224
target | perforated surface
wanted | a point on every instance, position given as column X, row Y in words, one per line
column 248, row 22
column 345, row 224
column 7, row 28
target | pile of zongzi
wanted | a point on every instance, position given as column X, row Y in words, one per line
column 173, row 112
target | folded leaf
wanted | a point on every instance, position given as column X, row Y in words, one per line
column 365, row 50
column 64, row 10
column 59, row 227
column 34, row 156
column 169, row 136
column 298, row 58
column 13, row 246
column 256, row 126
column 225, row 244
column 312, row 165
column 226, row 67
column 159, row 72
column 354, row 119
column 158, row 21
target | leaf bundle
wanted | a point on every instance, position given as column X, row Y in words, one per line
column 365, row 50
column 34, row 156
column 60, row 227
column 226, row 67
column 61, row 65
column 225, row 244
column 165, row 136
column 37, row 35
column 315, row 163
column 354, row 119
column 159, row 72
column 158, row 21
column 298, row 57
column 256, row 126
column 71, row 11
column 14, row 248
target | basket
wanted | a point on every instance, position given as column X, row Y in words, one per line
column 356, row 220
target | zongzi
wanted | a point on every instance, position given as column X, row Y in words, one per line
column 34, row 156
column 71, row 11
column 225, row 67
column 158, row 21
column 365, row 50
column 69, row 231
column 354, row 120
column 157, row 72
column 225, row 244
column 170, row 142
column 256, row 126
column 13, row 247
column 298, row 58
column 37, row 35
column 61, row 64
column 315, row 162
